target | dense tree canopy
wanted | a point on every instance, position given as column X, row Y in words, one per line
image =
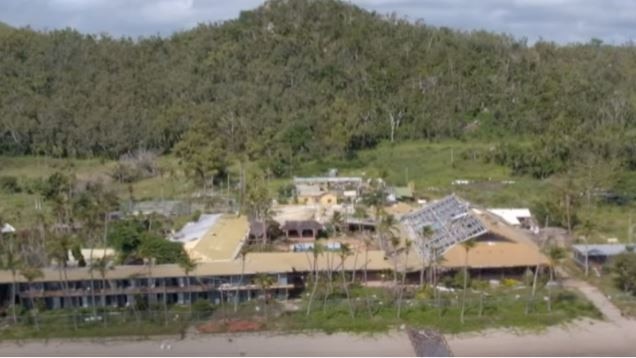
column 294, row 80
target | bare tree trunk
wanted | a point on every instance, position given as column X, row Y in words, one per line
column 399, row 308
column 103, row 299
column 73, row 308
column 92, row 276
column 461, row 317
column 355, row 267
column 311, row 296
column 366, row 264
column 534, row 287
column 567, row 213
column 13, row 293
column 33, row 310
column 165, row 302
column 346, row 289
column 236, row 294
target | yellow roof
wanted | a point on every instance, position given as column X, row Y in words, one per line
column 269, row 262
column 513, row 248
column 399, row 209
column 221, row 243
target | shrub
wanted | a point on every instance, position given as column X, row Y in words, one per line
column 9, row 184
column 134, row 166
column 202, row 308
column 510, row 283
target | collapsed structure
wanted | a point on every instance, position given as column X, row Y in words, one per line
column 439, row 228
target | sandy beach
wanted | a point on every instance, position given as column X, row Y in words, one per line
column 318, row 344
column 614, row 336
column 583, row 338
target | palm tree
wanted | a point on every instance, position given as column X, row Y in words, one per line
column 437, row 261
column 395, row 243
column 102, row 265
column 388, row 227
column 264, row 282
column 58, row 248
column 316, row 251
column 587, row 229
column 533, row 290
column 343, row 253
column 243, row 254
column 31, row 273
column 367, row 243
column 555, row 255
column 188, row 265
column 426, row 235
column 11, row 262
column 337, row 222
column 148, row 252
column 467, row 245
column 407, row 249
column 375, row 199
column 360, row 213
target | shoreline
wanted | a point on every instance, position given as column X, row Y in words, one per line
column 584, row 337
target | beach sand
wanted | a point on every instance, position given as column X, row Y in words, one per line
column 581, row 338
column 318, row 344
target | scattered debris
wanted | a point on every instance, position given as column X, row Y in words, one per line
column 429, row 343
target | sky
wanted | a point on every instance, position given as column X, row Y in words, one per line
column 562, row 21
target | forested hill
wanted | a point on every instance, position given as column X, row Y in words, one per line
column 298, row 79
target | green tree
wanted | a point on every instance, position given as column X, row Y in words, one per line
column 188, row 265
column 102, row 265
column 264, row 282
column 337, row 222
column 257, row 200
column 588, row 229
column 316, row 252
column 243, row 253
column 202, row 156
column 31, row 274
column 11, row 261
column 343, row 253
column 407, row 249
column 624, row 271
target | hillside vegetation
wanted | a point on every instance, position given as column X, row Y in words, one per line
column 295, row 87
column 294, row 80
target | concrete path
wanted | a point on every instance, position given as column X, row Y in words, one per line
column 610, row 312
column 615, row 336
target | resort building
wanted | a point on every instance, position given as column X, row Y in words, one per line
column 499, row 247
column 223, row 273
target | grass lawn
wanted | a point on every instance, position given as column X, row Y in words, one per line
column 427, row 164
column 624, row 301
column 500, row 308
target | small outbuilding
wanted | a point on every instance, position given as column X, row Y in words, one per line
column 598, row 254
column 305, row 229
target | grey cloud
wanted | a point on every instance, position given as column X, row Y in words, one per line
column 613, row 21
